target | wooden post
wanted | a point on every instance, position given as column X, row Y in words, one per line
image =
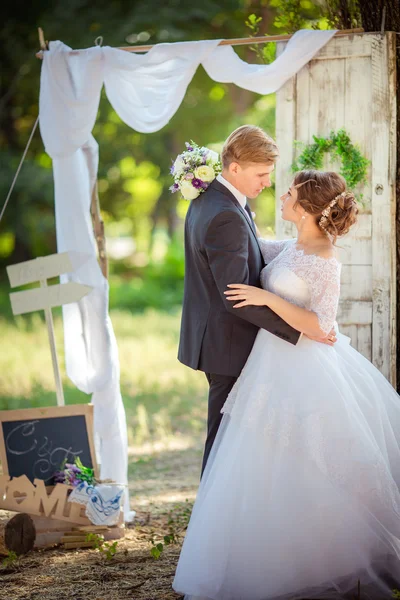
column 383, row 139
column 98, row 224
column 43, row 44
column 53, row 350
column 98, row 228
column 234, row 42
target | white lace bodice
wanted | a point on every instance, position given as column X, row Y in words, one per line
column 307, row 280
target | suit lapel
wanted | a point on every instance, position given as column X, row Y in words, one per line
column 224, row 190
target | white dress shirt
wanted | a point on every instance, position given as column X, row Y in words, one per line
column 241, row 198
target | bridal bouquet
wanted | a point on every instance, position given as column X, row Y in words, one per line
column 194, row 170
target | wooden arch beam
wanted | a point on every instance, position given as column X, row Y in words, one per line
column 233, row 42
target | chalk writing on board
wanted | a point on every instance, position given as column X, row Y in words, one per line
column 26, row 430
column 50, row 458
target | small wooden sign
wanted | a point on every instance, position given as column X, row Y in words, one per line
column 47, row 297
column 36, row 441
column 45, row 267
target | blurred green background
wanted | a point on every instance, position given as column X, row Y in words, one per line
column 144, row 222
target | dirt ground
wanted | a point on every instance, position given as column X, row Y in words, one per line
column 163, row 484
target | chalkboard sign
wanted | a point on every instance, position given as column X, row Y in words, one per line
column 35, row 442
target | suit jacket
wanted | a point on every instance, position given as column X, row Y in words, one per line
column 221, row 247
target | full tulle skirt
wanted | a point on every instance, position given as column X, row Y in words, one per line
column 300, row 497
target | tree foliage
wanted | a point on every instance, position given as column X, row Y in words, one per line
column 134, row 168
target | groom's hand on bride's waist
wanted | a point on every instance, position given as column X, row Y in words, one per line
column 329, row 340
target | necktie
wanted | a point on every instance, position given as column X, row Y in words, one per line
column 248, row 211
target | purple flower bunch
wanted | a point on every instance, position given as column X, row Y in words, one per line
column 74, row 473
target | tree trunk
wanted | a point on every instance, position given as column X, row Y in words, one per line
column 372, row 14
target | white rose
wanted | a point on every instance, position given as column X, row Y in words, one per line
column 212, row 157
column 205, row 173
column 179, row 166
column 188, row 191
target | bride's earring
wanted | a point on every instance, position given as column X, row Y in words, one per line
column 303, row 217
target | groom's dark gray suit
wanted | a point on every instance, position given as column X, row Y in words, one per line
column 221, row 247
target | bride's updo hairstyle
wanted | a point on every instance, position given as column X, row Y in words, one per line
column 324, row 195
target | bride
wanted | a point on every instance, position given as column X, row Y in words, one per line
column 300, row 497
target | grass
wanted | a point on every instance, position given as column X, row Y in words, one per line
column 165, row 406
column 165, row 402
column 161, row 396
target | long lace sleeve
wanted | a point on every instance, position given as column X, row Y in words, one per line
column 323, row 279
column 271, row 248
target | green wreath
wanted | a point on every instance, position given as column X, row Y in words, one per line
column 354, row 164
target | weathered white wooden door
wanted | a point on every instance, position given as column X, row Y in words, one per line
column 351, row 83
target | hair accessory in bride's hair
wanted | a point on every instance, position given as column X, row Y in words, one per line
column 326, row 212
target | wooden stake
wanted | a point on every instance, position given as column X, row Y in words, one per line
column 98, row 224
column 245, row 41
column 233, row 42
column 91, row 528
column 73, row 538
column 52, row 342
column 43, row 44
column 98, row 228
column 75, row 545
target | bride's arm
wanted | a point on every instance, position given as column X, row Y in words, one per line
column 301, row 319
column 324, row 286
column 226, row 244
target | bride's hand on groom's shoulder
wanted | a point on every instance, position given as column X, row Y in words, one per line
column 248, row 295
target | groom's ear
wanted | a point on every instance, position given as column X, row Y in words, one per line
column 234, row 167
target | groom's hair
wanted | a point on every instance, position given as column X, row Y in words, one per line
column 249, row 144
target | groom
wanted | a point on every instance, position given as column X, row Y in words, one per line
column 221, row 247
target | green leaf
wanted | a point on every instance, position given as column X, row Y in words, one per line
column 254, row 20
column 155, row 553
column 10, row 559
column 338, row 144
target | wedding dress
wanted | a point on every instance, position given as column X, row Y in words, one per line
column 300, row 497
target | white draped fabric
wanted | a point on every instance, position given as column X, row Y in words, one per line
column 145, row 90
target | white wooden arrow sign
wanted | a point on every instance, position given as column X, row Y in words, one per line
column 45, row 267
column 46, row 297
